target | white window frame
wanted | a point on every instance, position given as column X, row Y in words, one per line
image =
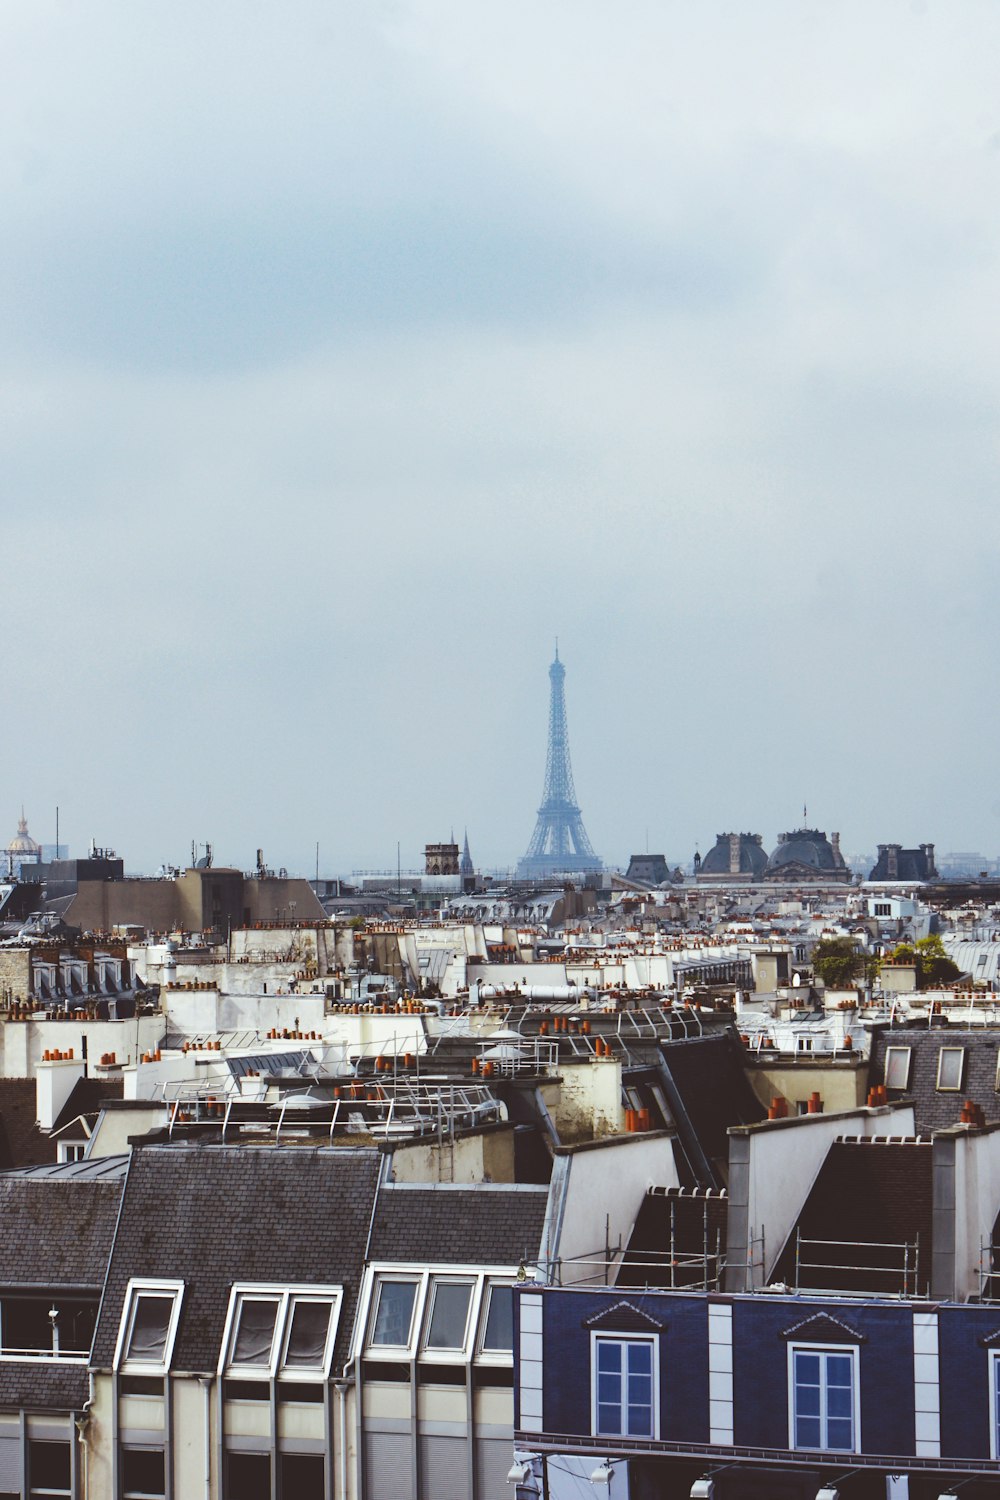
column 906, row 1052
column 809, row 1348
column 994, row 1399
column 609, row 1336
column 139, row 1286
column 480, row 1279
column 286, row 1297
column 951, row 1088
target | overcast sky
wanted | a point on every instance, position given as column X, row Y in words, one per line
column 351, row 351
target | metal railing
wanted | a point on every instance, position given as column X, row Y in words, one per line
column 901, row 1265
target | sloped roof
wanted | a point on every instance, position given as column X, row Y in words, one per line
column 56, row 1231
column 870, row 1198
column 87, row 1096
column 935, row 1109
column 713, row 1093
column 215, row 1215
column 469, row 1225
column 22, row 1144
column 672, row 1231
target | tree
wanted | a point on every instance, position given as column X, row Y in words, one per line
column 931, row 962
column 838, row 962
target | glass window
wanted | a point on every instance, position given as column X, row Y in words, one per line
column 308, row 1331
column 149, row 1325
column 303, row 1475
column 951, row 1064
column 623, row 1397
column 449, row 1315
column 394, row 1313
column 248, row 1476
column 254, row 1337
column 48, row 1470
column 823, row 1399
column 142, row 1474
column 498, row 1337
column 897, row 1067
column 147, row 1341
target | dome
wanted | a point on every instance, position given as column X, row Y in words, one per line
column 747, row 849
column 22, row 843
column 809, row 847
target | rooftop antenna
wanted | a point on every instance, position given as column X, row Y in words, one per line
column 805, row 816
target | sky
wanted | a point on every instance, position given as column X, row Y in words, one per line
column 351, row 351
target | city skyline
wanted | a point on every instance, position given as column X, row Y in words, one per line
column 351, row 353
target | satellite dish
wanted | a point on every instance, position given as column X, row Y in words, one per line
column 796, row 981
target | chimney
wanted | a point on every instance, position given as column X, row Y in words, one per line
column 55, row 1080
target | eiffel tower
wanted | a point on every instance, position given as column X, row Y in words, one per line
column 559, row 844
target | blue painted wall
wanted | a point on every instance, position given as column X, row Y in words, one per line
column 965, row 1379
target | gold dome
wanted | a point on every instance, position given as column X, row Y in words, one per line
column 22, row 843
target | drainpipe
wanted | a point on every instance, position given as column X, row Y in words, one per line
column 341, row 1387
column 82, row 1424
column 205, row 1381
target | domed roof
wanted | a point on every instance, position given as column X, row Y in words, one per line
column 752, row 858
column 805, row 846
column 22, row 843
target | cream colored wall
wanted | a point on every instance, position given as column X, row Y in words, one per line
column 189, row 1441
column 840, row 1086
column 99, row 1442
column 475, row 1158
column 588, row 1104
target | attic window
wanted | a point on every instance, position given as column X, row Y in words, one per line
column 148, row 1326
column 274, row 1331
column 951, row 1065
column 442, row 1315
column 897, row 1067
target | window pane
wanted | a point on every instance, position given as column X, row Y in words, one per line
column 310, row 1325
column 148, row 1339
column 248, row 1476
column 807, row 1432
column 48, row 1466
column 303, row 1476
column 449, row 1316
column 807, row 1368
column 640, row 1359
column 897, row 1067
column 499, row 1335
column 255, row 1331
column 394, row 1313
column 838, row 1434
column 142, row 1472
column 950, row 1061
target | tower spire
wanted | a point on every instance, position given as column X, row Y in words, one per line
column 559, row 843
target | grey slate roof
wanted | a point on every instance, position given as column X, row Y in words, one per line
column 43, row 1387
column 936, row 1109
column 215, row 1215
column 476, row 1225
column 56, row 1231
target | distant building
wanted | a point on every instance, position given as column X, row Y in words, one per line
column 807, row 854
column 650, row 869
column 441, row 859
column 734, row 857
column 22, row 849
column 896, row 863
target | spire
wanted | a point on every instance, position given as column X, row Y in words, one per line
column 466, row 866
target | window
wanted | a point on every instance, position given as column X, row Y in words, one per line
column 624, row 1386
column 48, row 1471
column 439, row 1315
column 883, row 909
column 498, row 1331
column 143, row 1476
column 303, row 1476
column 394, row 1313
column 272, row 1331
column 994, row 1404
column 951, row 1065
column 248, row 1476
column 449, row 1316
column 897, row 1067
column 824, row 1411
column 46, row 1328
column 149, row 1326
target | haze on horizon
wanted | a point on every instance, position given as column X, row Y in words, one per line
column 350, row 353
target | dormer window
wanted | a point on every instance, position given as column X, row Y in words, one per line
column 149, row 1326
column 273, row 1332
column 897, row 1067
column 440, row 1315
column 951, row 1066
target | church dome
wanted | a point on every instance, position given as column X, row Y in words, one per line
column 735, row 854
column 22, row 844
